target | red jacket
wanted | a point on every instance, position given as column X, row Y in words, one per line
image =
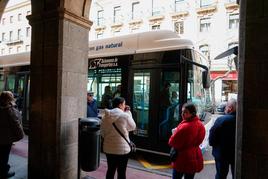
column 186, row 140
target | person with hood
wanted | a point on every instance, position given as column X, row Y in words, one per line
column 114, row 146
column 186, row 140
column 10, row 130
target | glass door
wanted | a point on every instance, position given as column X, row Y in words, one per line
column 21, row 93
column 141, row 108
column 169, row 103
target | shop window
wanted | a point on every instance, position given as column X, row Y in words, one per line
column 229, row 89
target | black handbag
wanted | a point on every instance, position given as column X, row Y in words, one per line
column 173, row 154
column 130, row 143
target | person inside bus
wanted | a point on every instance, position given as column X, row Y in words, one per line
column 175, row 108
column 10, row 130
column 114, row 146
column 117, row 93
column 92, row 110
column 174, row 98
column 165, row 104
column 106, row 99
column 186, row 138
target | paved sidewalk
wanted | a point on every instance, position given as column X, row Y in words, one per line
column 19, row 153
column 133, row 172
column 18, row 161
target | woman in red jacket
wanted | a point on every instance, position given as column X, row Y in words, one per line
column 186, row 139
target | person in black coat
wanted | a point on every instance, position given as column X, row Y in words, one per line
column 10, row 130
column 222, row 139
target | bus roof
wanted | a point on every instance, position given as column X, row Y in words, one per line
column 18, row 59
column 152, row 41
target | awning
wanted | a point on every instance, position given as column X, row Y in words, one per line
column 230, row 76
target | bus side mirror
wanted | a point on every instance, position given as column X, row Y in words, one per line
column 206, row 79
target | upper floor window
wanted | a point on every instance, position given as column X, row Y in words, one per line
column 232, row 44
column 19, row 16
column 19, row 34
column 205, row 24
column 205, row 50
column 117, row 10
column 27, row 31
column 3, row 36
column 178, row 3
column 231, row 57
column 3, row 21
column 11, row 19
column 19, row 49
column 10, row 50
column 179, row 27
column 204, row 3
column 10, row 35
column 155, row 27
column 135, row 10
column 99, row 36
column 27, row 48
column 100, row 17
column 233, row 21
column 156, row 7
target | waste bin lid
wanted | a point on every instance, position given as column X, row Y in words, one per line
column 90, row 121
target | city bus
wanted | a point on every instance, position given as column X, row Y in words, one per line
column 157, row 72
column 142, row 65
column 15, row 77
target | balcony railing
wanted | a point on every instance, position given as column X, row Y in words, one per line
column 14, row 41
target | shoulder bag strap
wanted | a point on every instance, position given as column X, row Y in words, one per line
column 121, row 134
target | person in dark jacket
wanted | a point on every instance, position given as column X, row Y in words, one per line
column 222, row 140
column 92, row 110
column 186, row 139
column 107, row 97
column 10, row 130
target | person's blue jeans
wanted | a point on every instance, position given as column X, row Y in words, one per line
column 222, row 168
column 179, row 175
column 116, row 162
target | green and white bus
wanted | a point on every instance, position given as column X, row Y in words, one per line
column 143, row 64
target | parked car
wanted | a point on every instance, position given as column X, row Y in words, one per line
column 221, row 107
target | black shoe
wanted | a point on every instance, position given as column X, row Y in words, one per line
column 10, row 174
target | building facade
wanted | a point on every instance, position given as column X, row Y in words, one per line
column 211, row 24
column 15, row 31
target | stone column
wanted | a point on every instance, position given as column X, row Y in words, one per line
column 58, row 89
column 252, row 122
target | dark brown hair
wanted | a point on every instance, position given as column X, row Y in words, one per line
column 190, row 107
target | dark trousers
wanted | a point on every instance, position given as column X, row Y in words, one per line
column 4, row 156
column 222, row 168
column 179, row 175
column 116, row 162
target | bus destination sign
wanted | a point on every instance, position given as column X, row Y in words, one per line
column 103, row 63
